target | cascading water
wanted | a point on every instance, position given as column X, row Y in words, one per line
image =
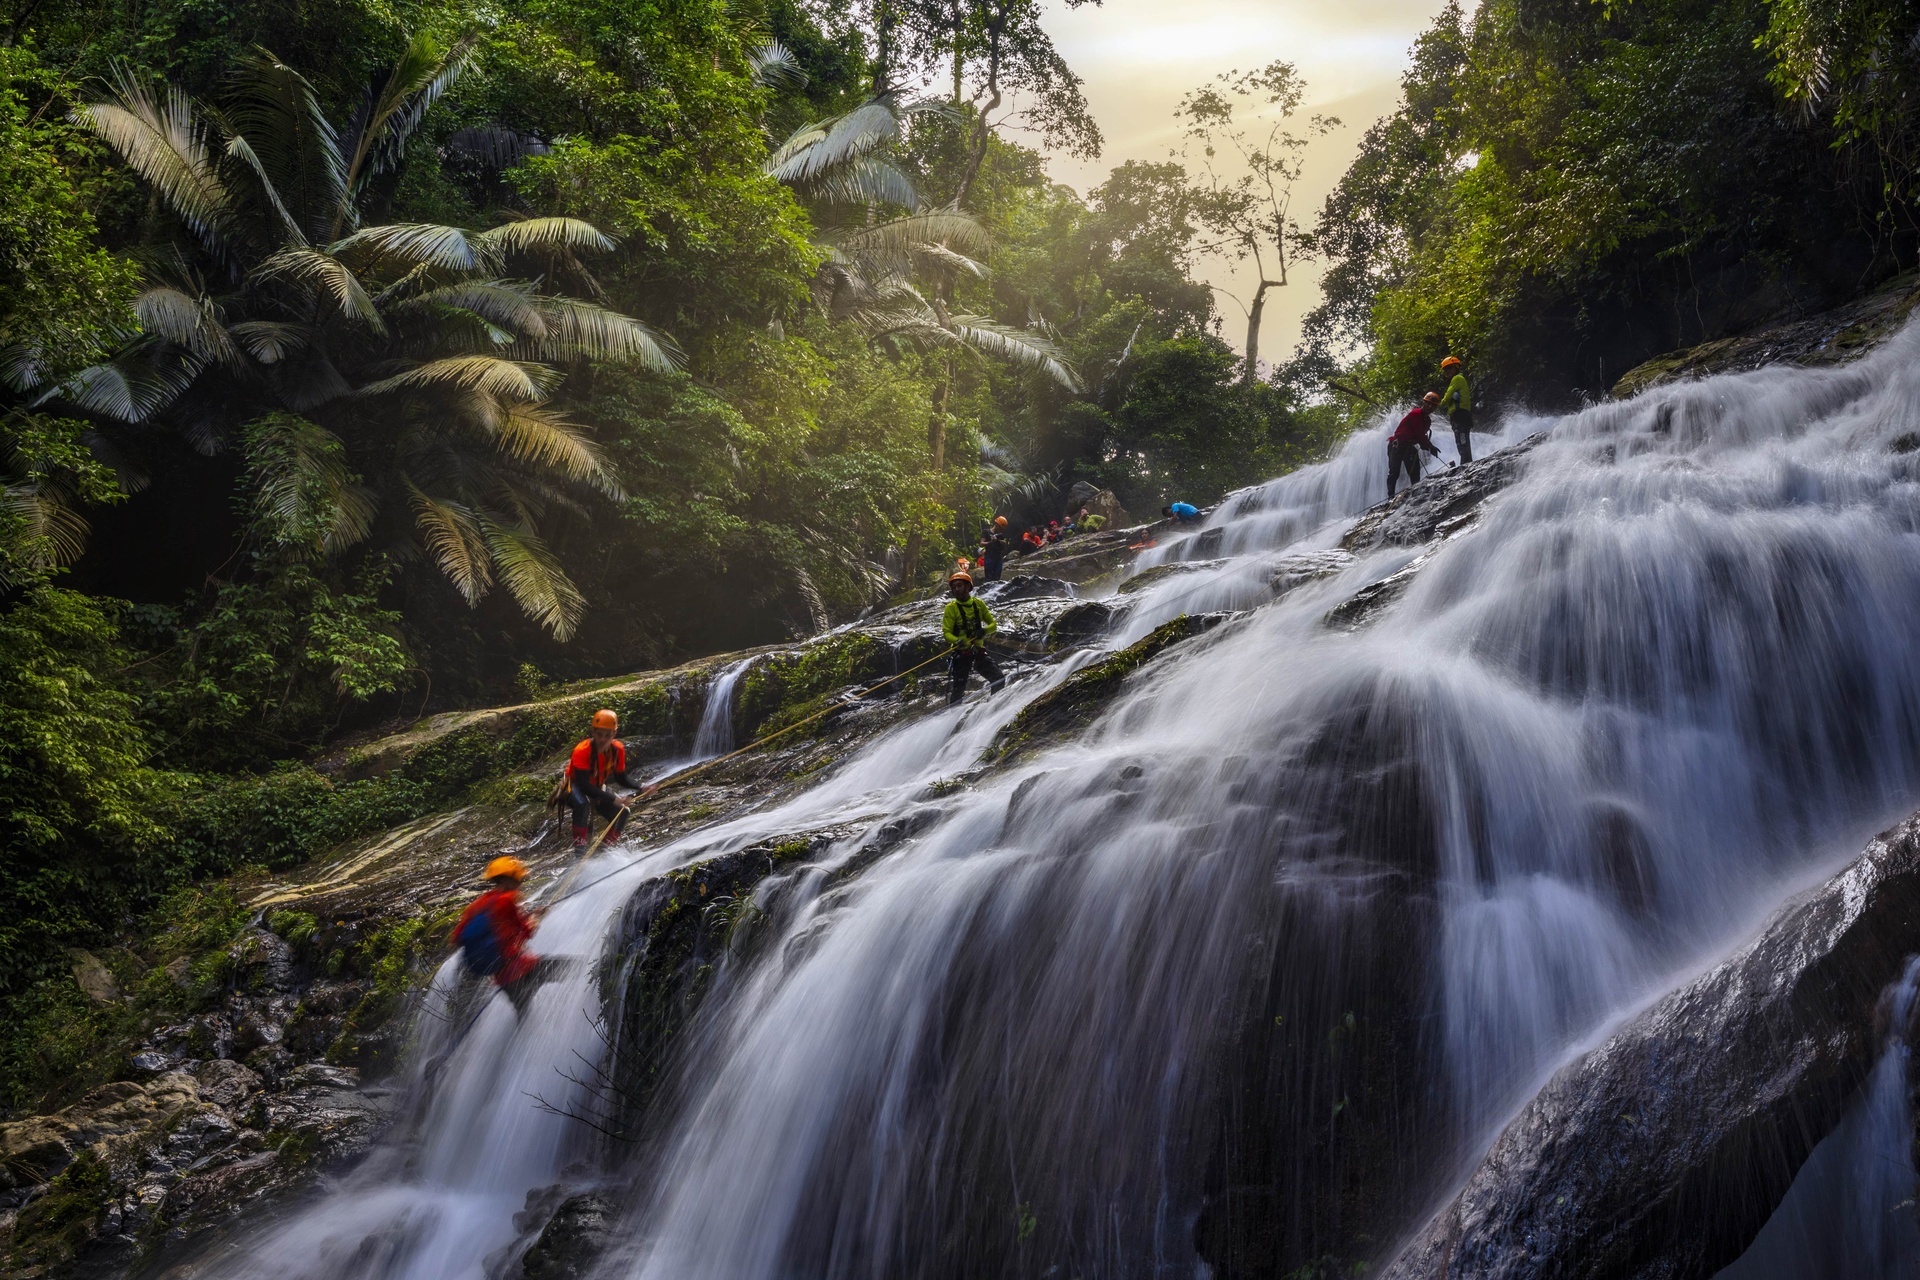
column 1850, row 1214
column 715, row 735
column 1245, row 972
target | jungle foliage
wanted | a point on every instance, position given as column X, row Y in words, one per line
column 1569, row 187
column 357, row 359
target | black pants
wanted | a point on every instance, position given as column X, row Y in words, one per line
column 993, row 566
column 1462, row 422
column 588, row 800
column 963, row 664
column 1402, row 455
column 544, row 970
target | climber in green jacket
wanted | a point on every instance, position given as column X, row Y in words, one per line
column 967, row 623
column 1457, row 400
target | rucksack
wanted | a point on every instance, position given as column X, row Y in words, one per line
column 480, row 944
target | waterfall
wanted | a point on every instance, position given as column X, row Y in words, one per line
column 715, row 735
column 1242, row 974
column 1850, row 1213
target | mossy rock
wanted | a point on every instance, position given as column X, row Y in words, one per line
column 1072, row 706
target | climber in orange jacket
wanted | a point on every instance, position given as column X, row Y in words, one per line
column 599, row 756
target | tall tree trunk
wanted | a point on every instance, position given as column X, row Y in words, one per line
column 1252, row 370
column 937, row 429
column 937, row 452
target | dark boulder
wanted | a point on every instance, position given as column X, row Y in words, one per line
column 572, row 1240
column 1435, row 507
column 1662, row 1153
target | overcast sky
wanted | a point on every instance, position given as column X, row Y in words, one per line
column 1139, row 56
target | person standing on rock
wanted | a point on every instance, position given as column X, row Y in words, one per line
column 599, row 756
column 993, row 549
column 1457, row 400
column 967, row 624
column 1414, row 433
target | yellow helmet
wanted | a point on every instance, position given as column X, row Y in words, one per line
column 506, row 866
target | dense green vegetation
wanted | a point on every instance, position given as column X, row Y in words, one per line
column 364, row 359
column 358, row 360
column 1570, row 187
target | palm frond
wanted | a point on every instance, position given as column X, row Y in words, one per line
column 276, row 115
column 186, row 321
column 46, row 531
column 890, row 246
column 386, row 122
column 164, row 140
column 454, row 540
column 865, row 180
column 1020, row 347
column 577, row 330
column 271, row 341
column 540, row 437
column 326, row 276
column 127, row 387
column 775, row 67
column 22, row 366
column 939, row 256
column 544, row 235
column 814, row 150
column 507, row 381
column 411, row 244
column 240, row 149
column 304, row 491
column 533, row 576
column 509, row 304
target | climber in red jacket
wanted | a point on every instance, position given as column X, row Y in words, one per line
column 1414, row 433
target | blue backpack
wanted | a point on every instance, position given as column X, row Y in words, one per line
column 480, row 945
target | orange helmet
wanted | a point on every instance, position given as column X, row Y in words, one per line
column 960, row 575
column 605, row 720
column 1451, row 362
column 505, row 866
column 999, row 522
column 1432, row 397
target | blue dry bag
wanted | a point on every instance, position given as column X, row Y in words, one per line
column 480, row 945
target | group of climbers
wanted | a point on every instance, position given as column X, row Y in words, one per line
column 493, row 933
column 1414, row 433
column 997, row 541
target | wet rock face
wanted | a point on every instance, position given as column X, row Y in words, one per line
column 573, row 1239
column 134, row 1171
column 1662, row 1153
column 1428, row 510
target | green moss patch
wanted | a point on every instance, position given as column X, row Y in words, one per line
column 1072, row 706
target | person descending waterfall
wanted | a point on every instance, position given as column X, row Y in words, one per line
column 493, row 933
column 1457, row 400
column 1414, row 433
column 599, row 756
column 967, row 623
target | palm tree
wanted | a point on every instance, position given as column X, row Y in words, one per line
column 877, row 269
column 394, row 375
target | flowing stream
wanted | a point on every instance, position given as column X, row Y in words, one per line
column 1260, row 959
